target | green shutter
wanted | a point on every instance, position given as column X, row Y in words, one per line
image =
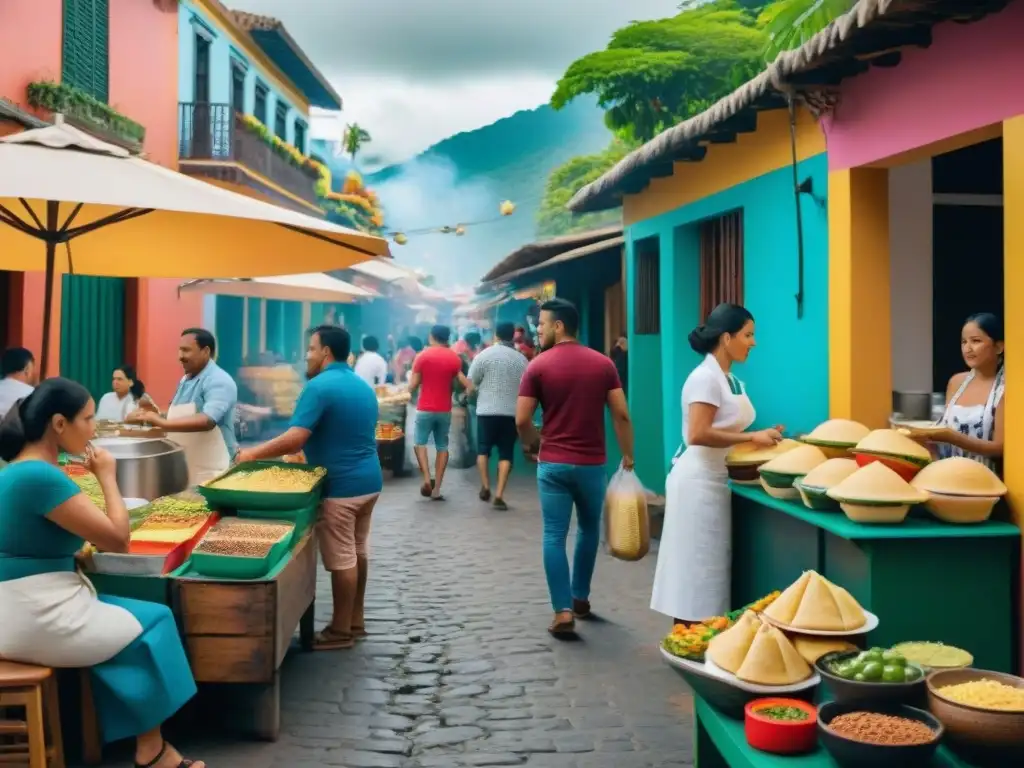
column 229, row 333
column 92, row 330
column 85, row 60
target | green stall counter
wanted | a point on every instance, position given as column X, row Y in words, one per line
column 924, row 579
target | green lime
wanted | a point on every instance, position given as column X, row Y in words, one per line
column 873, row 671
column 859, row 677
column 893, row 673
column 912, row 673
column 894, row 657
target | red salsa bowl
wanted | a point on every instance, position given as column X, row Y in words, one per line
column 781, row 726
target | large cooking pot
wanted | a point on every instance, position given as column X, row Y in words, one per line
column 147, row 468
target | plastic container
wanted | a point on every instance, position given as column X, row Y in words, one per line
column 240, row 567
column 261, row 500
column 129, row 565
column 301, row 518
column 174, row 555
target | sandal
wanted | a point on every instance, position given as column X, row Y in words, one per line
column 562, row 628
column 485, row 494
column 160, row 756
column 329, row 640
column 499, row 504
column 359, row 632
column 426, row 488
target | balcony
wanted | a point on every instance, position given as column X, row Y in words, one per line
column 213, row 142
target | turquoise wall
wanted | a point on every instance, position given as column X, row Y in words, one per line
column 222, row 51
column 787, row 374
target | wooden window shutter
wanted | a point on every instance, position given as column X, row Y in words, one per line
column 646, row 292
column 721, row 261
column 85, row 48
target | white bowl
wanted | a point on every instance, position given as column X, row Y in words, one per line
column 961, row 509
column 864, row 513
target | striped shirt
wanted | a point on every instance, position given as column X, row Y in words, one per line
column 496, row 373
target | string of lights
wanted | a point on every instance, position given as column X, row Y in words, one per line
column 401, row 237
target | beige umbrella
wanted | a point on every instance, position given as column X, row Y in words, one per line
column 311, row 287
column 121, row 216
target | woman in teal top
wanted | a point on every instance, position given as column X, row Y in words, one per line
column 51, row 613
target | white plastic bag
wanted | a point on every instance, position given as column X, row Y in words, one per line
column 627, row 526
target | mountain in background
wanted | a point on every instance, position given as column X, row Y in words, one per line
column 464, row 178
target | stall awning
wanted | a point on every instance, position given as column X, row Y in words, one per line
column 382, row 270
column 612, row 244
column 310, row 287
column 482, row 304
column 536, row 253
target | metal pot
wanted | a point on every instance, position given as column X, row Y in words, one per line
column 147, row 468
column 914, row 406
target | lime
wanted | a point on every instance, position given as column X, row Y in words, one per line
column 873, row 671
column 893, row 673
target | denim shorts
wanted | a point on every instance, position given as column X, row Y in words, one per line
column 431, row 423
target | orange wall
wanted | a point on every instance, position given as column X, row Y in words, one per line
column 30, row 40
column 144, row 86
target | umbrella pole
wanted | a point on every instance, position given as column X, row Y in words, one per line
column 52, row 210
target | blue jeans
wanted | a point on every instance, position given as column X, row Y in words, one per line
column 561, row 486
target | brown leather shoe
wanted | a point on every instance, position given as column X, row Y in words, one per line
column 581, row 609
column 562, row 629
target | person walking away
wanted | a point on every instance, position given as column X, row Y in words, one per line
column 496, row 373
column 51, row 613
column 573, row 384
column 202, row 413
column 334, row 425
column 433, row 372
column 371, row 367
column 17, row 377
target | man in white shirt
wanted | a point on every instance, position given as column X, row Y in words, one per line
column 18, row 369
column 371, row 367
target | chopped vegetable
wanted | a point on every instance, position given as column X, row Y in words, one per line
column 792, row 714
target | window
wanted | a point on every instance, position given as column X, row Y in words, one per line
column 237, row 87
column 647, row 292
column 85, row 62
column 281, row 120
column 721, row 261
column 300, row 136
column 260, row 107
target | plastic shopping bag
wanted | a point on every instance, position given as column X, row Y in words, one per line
column 627, row 527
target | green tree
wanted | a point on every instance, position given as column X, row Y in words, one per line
column 654, row 74
column 791, row 23
column 354, row 138
column 553, row 218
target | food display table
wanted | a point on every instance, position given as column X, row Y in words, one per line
column 922, row 578
column 719, row 742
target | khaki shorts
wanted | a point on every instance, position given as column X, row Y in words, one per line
column 343, row 529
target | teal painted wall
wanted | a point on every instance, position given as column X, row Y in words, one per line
column 228, row 331
column 787, row 374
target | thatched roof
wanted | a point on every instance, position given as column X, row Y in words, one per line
column 601, row 246
column 536, row 253
column 870, row 34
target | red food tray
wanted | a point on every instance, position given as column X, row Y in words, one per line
column 176, row 554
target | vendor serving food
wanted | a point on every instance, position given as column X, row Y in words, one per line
column 202, row 413
column 51, row 614
column 972, row 425
column 692, row 578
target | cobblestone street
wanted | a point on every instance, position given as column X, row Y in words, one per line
column 458, row 669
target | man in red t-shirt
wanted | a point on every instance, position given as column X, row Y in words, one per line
column 433, row 372
column 573, row 384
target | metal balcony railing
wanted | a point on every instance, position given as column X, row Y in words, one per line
column 215, row 132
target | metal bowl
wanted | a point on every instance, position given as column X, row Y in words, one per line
column 147, row 468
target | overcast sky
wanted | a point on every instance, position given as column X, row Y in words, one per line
column 415, row 71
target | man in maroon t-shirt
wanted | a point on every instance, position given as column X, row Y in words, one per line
column 433, row 372
column 573, row 384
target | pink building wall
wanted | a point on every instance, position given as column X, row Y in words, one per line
column 969, row 77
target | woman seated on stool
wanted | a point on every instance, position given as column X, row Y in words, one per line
column 51, row 614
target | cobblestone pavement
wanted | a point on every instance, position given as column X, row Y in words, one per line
column 459, row 670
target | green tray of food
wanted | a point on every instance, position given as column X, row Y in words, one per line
column 301, row 518
column 265, row 485
column 236, row 549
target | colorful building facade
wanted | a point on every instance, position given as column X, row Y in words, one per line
column 95, row 47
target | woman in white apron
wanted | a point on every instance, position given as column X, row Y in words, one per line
column 692, row 580
column 51, row 613
column 973, row 420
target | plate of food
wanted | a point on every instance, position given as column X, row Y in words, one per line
column 813, row 605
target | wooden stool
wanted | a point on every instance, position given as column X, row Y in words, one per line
column 33, row 689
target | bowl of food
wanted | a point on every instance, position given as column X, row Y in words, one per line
column 778, row 475
column 875, row 676
column 960, row 490
column 876, row 493
column 813, row 486
column 836, row 437
column 934, row 657
column 781, row 726
column 983, row 712
column 744, row 459
column 894, row 449
column 887, row 736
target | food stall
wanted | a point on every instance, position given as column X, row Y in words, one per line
column 886, row 552
column 393, row 411
column 235, row 559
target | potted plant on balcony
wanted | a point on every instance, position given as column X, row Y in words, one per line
column 87, row 113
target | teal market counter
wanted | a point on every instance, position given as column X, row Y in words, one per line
column 924, row 579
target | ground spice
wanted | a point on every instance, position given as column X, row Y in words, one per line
column 876, row 728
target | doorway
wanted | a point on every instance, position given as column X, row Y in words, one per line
column 202, row 128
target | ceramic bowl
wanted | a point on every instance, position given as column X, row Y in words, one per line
column 994, row 733
column 816, row 498
column 875, row 513
column 857, row 754
column 961, row 509
column 779, row 491
column 780, row 737
column 868, row 694
column 905, row 468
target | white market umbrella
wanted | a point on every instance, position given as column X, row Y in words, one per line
column 315, row 286
column 121, row 216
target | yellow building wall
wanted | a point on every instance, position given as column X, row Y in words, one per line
column 726, row 165
column 1013, row 277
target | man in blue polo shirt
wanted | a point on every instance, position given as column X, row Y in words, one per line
column 335, row 425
